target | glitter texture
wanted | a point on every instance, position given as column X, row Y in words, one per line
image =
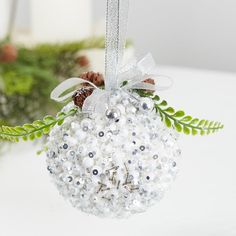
column 113, row 167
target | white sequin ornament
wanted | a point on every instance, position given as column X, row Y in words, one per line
column 113, row 164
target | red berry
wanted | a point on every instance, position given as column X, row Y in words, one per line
column 8, row 53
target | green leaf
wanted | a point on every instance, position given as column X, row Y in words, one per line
column 179, row 114
column 186, row 130
column 163, row 103
column 28, row 127
column 124, row 83
column 60, row 122
column 178, row 127
column 39, row 134
column 148, row 94
column 49, row 119
column 194, row 131
column 61, row 114
column 194, row 121
column 170, row 110
column 206, row 123
column 161, row 115
column 38, row 123
column 46, row 130
column 201, row 123
column 32, row 136
column 211, row 124
column 187, row 119
column 156, row 98
column 20, row 129
column 168, row 122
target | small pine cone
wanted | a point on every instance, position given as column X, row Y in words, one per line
column 150, row 81
column 82, row 61
column 95, row 78
column 80, row 95
column 8, row 53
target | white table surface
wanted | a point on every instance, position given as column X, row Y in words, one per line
column 202, row 202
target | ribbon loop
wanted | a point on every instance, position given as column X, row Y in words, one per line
column 116, row 27
column 60, row 94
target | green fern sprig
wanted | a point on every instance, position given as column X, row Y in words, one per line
column 179, row 121
column 35, row 130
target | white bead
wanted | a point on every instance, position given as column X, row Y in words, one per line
column 121, row 109
column 80, row 135
column 113, row 114
column 146, row 104
column 88, row 162
column 68, row 166
column 131, row 109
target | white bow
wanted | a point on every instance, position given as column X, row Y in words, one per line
column 129, row 77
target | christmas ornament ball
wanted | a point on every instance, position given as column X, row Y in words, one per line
column 113, row 163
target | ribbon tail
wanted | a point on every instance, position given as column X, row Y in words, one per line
column 95, row 103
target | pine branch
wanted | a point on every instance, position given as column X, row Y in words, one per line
column 179, row 121
column 35, row 130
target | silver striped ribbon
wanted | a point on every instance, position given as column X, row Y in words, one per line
column 116, row 29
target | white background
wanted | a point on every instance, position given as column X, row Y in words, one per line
column 47, row 20
column 185, row 32
column 200, row 203
column 196, row 33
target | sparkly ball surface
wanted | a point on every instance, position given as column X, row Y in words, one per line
column 113, row 164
